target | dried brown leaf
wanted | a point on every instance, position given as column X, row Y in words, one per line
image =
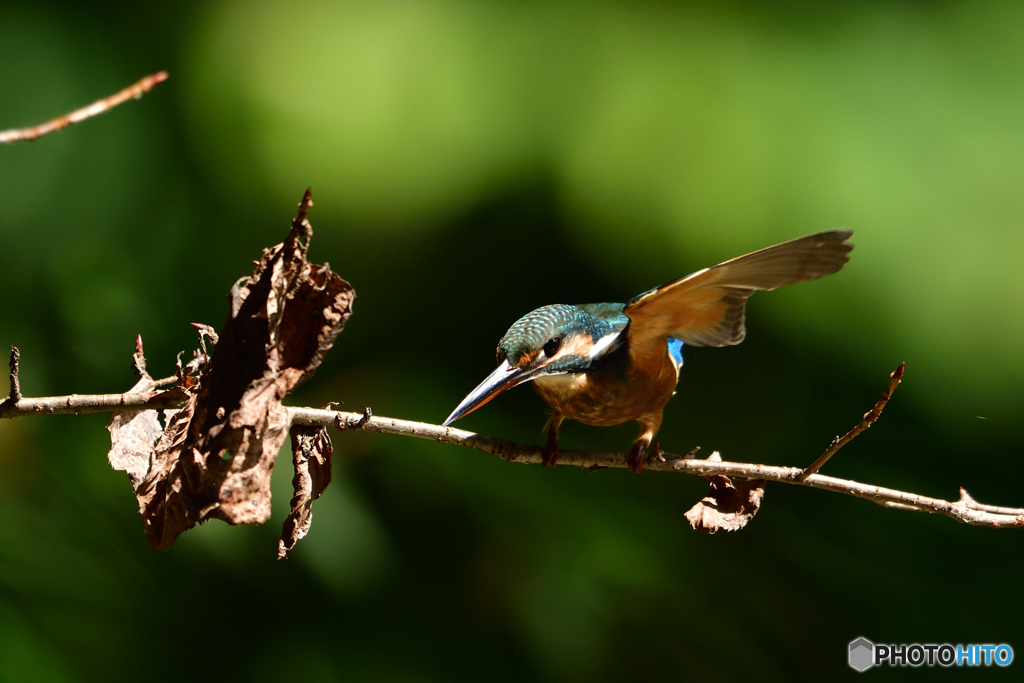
column 133, row 435
column 161, row 493
column 730, row 505
column 216, row 456
column 311, row 455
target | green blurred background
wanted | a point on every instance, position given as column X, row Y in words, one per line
column 471, row 161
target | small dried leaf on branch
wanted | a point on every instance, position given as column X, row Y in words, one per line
column 162, row 493
column 133, row 436
column 730, row 504
column 311, row 455
column 216, row 456
column 206, row 332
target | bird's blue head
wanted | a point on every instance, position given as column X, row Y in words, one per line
column 553, row 340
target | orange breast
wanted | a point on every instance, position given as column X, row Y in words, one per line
column 603, row 399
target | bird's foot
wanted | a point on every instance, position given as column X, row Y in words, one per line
column 549, row 456
column 635, row 459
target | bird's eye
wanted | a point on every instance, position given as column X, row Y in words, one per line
column 551, row 348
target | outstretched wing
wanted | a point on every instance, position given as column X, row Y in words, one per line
column 706, row 308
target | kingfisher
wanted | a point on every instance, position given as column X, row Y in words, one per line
column 605, row 364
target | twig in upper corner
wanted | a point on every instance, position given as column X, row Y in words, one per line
column 98, row 107
column 869, row 418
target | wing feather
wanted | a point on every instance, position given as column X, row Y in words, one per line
column 707, row 308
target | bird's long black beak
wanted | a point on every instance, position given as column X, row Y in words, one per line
column 504, row 377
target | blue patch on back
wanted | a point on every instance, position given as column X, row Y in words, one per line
column 675, row 352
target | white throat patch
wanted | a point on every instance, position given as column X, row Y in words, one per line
column 603, row 344
column 562, row 385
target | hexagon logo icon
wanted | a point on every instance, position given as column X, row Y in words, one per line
column 862, row 654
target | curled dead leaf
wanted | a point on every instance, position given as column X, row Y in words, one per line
column 730, row 505
column 311, row 455
column 134, row 434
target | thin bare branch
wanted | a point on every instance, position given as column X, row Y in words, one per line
column 98, row 107
column 965, row 510
column 868, row 419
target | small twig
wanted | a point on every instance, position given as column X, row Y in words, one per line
column 367, row 416
column 15, row 394
column 139, row 359
column 98, row 107
column 868, row 419
column 966, row 500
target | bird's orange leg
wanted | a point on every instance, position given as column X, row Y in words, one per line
column 649, row 425
column 550, row 453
